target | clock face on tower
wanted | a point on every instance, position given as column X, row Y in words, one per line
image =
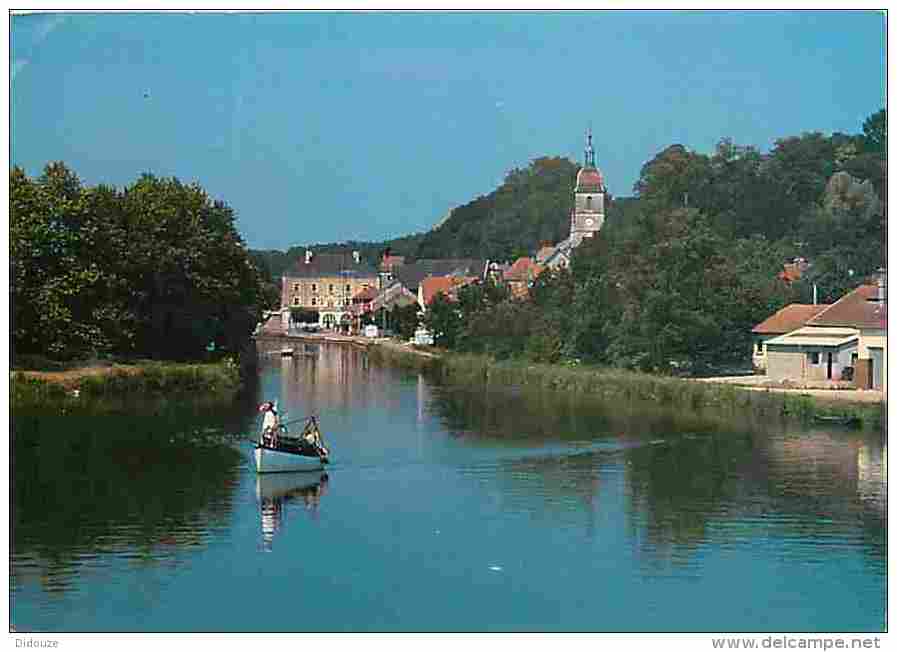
column 589, row 221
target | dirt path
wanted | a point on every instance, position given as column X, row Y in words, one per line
column 760, row 384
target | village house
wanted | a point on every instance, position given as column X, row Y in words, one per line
column 786, row 320
column 794, row 270
column 446, row 285
column 324, row 284
column 865, row 310
column 850, row 334
column 371, row 301
column 520, row 276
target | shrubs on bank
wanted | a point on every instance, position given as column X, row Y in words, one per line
column 148, row 379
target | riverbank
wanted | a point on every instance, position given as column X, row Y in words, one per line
column 608, row 384
column 150, row 378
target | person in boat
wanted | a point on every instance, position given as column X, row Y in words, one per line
column 269, row 424
column 312, row 437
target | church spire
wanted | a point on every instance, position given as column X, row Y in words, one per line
column 590, row 153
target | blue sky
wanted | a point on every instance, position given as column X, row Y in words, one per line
column 328, row 127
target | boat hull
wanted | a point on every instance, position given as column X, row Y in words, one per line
column 268, row 460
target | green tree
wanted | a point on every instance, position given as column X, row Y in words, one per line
column 443, row 320
column 875, row 133
column 404, row 320
column 155, row 270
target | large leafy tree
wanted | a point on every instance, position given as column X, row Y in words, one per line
column 157, row 269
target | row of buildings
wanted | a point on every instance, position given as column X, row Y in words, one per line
column 839, row 344
column 337, row 290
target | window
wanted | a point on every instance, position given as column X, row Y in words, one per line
column 348, row 289
column 814, row 357
column 588, row 203
column 758, row 348
column 314, row 301
column 331, row 288
column 295, row 287
column 314, row 287
column 295, row 301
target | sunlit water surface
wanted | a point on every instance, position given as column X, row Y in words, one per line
column 445, row 509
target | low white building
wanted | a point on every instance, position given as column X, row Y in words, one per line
column 852, row 332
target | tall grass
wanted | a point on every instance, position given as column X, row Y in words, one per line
column 149, row 379
column 609, row 384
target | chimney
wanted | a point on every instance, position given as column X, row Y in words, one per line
column 882, row 285
column 356, row 257
column 308, row 255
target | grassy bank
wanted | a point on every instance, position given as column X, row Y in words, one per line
column 403, row 357
column 609, row 385
column 620, row 385
column 147, row 379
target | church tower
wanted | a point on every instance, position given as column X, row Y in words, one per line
column 588, row 204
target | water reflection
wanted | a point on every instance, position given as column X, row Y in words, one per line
column 278, row 492
column 136, row 488
column 688, row 481
column 531, row 505
column 333, row 376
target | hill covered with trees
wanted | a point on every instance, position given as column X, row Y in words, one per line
column 682, row 271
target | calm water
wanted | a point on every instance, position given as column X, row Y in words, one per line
column 446, row 509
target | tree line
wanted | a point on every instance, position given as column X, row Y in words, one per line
column 156, row 269
column 681, row 272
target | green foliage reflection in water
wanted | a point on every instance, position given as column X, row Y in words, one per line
column 115, row 483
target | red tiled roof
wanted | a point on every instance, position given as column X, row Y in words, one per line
column 858, row 309
column 791, row 273
column 589, row 178
column 523, row 269
column 448, row 285
column 789, row 318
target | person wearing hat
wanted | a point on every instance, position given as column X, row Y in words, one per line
column 269, row 423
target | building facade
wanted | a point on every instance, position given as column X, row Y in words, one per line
column 324, row 284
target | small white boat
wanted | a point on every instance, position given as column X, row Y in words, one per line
column 272, row 460
column 287, row 352
column 283, row 453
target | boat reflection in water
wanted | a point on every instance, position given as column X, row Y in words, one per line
column 276, row 492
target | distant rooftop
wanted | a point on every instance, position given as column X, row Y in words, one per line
column 331, row 265
column 789, row 318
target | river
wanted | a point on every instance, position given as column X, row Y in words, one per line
column 444, row 509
